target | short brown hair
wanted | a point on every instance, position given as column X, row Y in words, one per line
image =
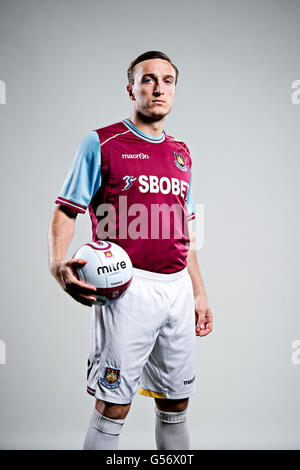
column 146, row 56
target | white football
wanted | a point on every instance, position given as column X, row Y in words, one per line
column 108, row 267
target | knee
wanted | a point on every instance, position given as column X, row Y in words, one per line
column 171, row 405
column 112, row 410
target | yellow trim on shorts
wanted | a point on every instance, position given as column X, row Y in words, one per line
column 149, row 393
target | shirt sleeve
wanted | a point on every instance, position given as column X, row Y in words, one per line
column 84, row 177
column 189, row 202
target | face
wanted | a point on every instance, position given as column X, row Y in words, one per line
column 154, row 87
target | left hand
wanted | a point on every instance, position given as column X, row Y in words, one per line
column 203, row 316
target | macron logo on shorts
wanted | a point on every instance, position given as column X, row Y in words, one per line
column 188, row 382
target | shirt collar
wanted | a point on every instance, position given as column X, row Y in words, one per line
column 142, row 135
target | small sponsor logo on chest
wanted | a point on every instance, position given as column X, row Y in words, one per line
column 140, row 156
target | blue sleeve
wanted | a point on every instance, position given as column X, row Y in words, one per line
column 189, row 202
column 84, row 177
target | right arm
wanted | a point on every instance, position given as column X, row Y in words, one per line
column 60, row 234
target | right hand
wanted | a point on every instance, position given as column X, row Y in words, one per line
column 64, row 273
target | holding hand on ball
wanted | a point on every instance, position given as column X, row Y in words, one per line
column 64, row 273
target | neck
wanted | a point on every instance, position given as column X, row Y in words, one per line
column 153, row 128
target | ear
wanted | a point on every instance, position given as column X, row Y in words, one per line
column 130, row 92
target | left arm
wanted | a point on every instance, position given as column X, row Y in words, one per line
column 203, row 315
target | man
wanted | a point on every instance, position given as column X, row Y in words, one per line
column 147, row 338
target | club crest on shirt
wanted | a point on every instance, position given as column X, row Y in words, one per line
column 180, row 161
column 111, row 378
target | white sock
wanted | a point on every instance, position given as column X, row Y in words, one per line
column 103, row 433
column 171, row 431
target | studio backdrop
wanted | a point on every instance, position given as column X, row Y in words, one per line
column 237, row 106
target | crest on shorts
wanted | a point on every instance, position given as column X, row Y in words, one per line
column 180, row 161
column 111, row 378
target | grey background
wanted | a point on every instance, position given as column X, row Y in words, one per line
column 64, row 64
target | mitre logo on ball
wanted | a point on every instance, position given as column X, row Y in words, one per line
column 112, row 267
column 108, row 267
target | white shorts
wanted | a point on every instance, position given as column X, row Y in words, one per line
column 145, row 340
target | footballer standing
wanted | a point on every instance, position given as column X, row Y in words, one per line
column 135, row 179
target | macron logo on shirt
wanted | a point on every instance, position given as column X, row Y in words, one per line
column 141, row 156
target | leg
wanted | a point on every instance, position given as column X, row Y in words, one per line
column 112, row 410
column 163, row 404
column 170, row 427
column 105, row 426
